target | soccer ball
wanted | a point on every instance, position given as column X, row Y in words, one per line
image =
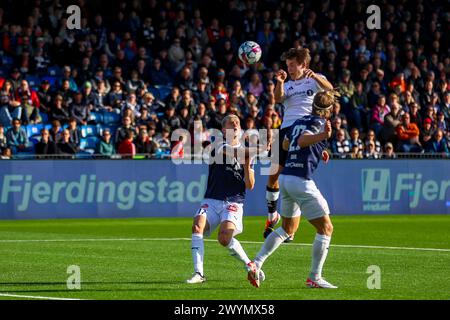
column 249, row 52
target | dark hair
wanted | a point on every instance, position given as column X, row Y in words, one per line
column 301, row 55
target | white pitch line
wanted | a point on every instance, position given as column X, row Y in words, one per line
column 212, row 240
column 34, row 297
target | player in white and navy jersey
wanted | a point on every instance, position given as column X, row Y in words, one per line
column 305, row 143
column 222, row 207
column 296, row 95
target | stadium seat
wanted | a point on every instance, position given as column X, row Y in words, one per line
column 33, row 81
column 34, row 130
column 154, row 91
column 163, row 91
column 89, row 143
column 54, row 71
column 52, row 80
column 96, row 117
column 48, row 126
column 89, row 131
column 111, row 118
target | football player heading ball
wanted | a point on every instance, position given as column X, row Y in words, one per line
column 296, row 95
column 305, row 143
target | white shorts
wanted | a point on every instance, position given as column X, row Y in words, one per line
column 218, row 211
column 300, row 196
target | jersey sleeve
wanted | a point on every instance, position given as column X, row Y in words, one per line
column 314, row 126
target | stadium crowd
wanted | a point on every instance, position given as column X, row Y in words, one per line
column 137, row 70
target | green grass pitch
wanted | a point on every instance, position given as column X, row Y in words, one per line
column 142, row 259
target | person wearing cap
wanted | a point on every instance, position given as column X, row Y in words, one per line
column 389, row 152
column 427, row 131
column 89, row 97
column 105, row 146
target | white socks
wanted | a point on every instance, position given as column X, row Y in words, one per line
column 319, row 254
column 237, row 251
column 273, row 241
column 198, row 251
column 272, row 196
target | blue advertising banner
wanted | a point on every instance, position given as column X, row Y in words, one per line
column 158, row 188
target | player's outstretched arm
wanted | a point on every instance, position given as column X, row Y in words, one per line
column 308, row 139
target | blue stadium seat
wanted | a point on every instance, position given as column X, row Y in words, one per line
column 33, row 81
column 52, row 80
column 154, row 91
column 96, row 117
column 89, row 131
column 163, row 91
column 7, row 60
column 34, row 130
column 111, row 118
column 54, row 71
column 89, row 143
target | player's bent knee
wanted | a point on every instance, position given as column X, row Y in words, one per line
column 224, row 239
column 326, row 229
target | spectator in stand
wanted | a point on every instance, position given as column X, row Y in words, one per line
column 445, row 106
column 415, row 114
column 441, row 122
column 123, row 130
column 187, row 102
column 255, row 85
column 427, row 131
column 45, row 97
column 391, row 122
column 65, row 147
column 59, row 111
column 79, row 110
column 6, row 154
column 145, row 144
column 173, row 98
column 17, row 139
column 29, row 113
column 371, row 137
column 127, row 149
column 163, row 140
column 105, row 146
column 116, row 97
column 340, row 145
column 170, row 119
column 3, row 141
column 336, row 124
column 437, row 144
column 380, row 110
column 75, row 133
column 389, row 151
column 371, row 152
column 25, row 91
column 159, row 75
column 355, row 140
column 408, row 136
column 359, row 108
column 356, row 153
column 46, row 146
column 56, row 131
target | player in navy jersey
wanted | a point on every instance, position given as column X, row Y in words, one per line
column 228, row 178
column 297, row 96
column 305, row 143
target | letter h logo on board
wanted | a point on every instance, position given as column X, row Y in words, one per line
column 376, row 185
